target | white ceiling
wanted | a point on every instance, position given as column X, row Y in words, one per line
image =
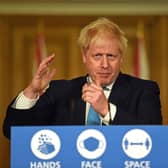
column 84, row 7
column 86, row 1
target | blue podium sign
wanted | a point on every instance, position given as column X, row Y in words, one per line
column 89, row 147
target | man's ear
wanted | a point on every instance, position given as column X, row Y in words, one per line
column 84, row 56
column 122, row 59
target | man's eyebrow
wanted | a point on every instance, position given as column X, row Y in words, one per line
column 98, row 53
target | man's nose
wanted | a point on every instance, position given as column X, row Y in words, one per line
column 105, row 62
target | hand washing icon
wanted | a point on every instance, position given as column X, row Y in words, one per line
column 45, row 146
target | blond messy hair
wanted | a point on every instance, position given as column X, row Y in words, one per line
column 101, row 26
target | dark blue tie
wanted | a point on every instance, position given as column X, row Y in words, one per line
column 93, row 117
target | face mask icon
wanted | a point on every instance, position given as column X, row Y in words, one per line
column 91, row 144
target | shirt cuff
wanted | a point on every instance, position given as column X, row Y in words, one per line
column 23, row 102
column 110, row 115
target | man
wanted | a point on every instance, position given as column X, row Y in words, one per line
column 116, row 98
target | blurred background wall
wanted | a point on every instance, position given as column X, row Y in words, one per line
column 61, row 21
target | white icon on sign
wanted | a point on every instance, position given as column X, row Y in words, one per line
column 137, row 143
column 91, row 144
column 45, row 144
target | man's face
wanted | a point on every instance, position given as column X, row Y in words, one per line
column 103, row 60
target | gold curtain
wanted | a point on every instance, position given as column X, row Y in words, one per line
column 17, row 52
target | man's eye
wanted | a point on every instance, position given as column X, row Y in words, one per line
column 96, row 56
column 111, row 56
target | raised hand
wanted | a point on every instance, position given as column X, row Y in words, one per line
column 93, row 94
column 41, row 79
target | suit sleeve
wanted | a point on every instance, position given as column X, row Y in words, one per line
column 41, row 114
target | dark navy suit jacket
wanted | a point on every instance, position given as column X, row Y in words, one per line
column 137, row 102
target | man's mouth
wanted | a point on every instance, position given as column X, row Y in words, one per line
column 104, row 74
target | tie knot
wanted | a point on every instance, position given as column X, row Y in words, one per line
column 105, row 88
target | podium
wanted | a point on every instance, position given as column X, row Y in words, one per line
column 89, row 147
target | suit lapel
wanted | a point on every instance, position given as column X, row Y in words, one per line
column 79, row 106
column 120, row 89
